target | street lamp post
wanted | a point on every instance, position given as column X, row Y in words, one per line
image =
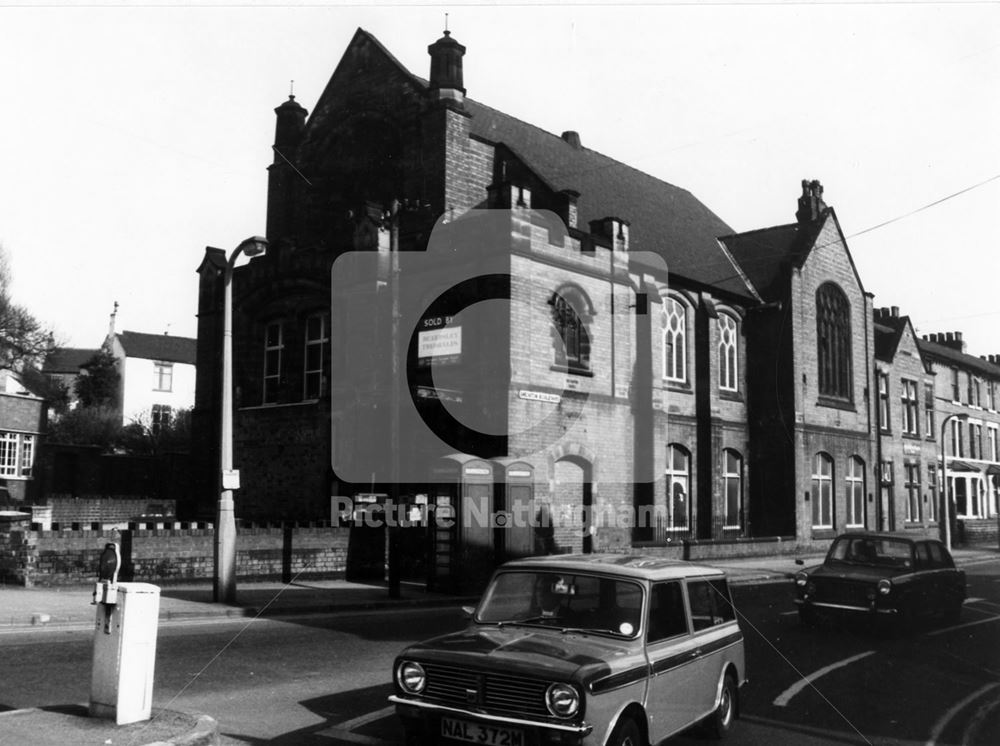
column 945, row 502
column 224, row 586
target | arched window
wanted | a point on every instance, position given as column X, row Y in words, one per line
column 732, row 474
column 570, row 312
column 674, row 341
column 854, row 483
column 833, row 341
column 822, row 491
column 678, row 485
column 728, row 368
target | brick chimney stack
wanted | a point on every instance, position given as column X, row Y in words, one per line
column 811, row 204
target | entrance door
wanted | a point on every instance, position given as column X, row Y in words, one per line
column 573, row 505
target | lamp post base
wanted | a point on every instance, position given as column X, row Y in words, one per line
column 225, row 551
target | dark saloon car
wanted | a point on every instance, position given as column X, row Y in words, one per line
column 883, row 577
column 581, row 650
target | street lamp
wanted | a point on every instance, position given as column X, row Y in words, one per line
column 945, row 501
column 225, row 520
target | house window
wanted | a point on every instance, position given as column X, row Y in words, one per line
column 991, row 395
column 163, row 376
column 977, row 392
column 678, row 485
column 317, row 356
column 912, row 487
column 160, row 418
column 991, row 444
column 17, row 454
column 954, row 384
column 822, row 491
column 932, row 486
column 910, row 407
column 883, row 402
column 928, row 410
column 833, row 340
column 975, row 440
column 854, row 482
column 675, row 342
column 733, row 478
column 569, row 311
column 273, row 346
column 957, row 439
column 728, row 369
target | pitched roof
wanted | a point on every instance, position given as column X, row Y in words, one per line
column 662, row 218
column 959, row 359
column 67, row 359
column 159, row 347
column 886, row 341
column 765, row 253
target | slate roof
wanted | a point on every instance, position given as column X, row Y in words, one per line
column 886, row 341
column 67, row 360
column 959, row 359
column 662, row 217
column 766, row 253
column 159, row 347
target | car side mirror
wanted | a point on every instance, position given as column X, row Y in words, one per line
column 468, row 611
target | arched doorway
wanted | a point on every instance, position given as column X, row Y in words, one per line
column 573, row 502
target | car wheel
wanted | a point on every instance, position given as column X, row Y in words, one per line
column 626, row 733
column 807, row 616
column 720, row 722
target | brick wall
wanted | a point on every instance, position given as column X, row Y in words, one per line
column 52, row 558
column 978, row 532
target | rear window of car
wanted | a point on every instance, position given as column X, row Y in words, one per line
column 710, row 603
column 667, row 617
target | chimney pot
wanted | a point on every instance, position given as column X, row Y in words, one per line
column 572, row 137
column 895, row 312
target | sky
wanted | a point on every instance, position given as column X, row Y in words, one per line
column 136, row 134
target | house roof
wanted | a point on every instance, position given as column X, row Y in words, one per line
column 764, row 254
column 886, row 340
column 159, row 347
column 662, row 218
column 963, row 360
column 67, row 360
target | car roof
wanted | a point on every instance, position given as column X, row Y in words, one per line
column 627, row 565
column 896, row 535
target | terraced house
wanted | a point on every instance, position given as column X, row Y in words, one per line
column 644, row 359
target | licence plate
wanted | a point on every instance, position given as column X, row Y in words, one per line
column 492, row 735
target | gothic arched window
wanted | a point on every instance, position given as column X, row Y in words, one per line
column 833, row 342
column 570, row 312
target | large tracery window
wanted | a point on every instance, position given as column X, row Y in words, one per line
column 728, row 366
column 674, row 341
column 833, row 340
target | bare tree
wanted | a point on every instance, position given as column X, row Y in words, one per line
column 23, row 339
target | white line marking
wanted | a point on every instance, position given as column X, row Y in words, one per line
column 976, row 721
column 785, row 697
column 962, row 626
column 371, row 717
column 941, row 724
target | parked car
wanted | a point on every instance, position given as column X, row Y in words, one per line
column 885, row 577
column 590, row 650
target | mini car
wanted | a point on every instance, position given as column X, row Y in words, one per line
column 589, row 650
column 883, row 577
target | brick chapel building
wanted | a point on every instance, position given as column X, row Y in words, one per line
column 648, row 357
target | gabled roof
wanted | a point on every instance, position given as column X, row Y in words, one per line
column 962, row 360
column 886, row 341
column 662, row 218
column 67, row 360
column 764, row 254
column 159, row 347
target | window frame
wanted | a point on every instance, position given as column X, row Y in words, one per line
column 733, row 514
column 834, row 344
column 571, row 316
column 163, row 372
column 17, row 454
column 822, row 486
column 312, row 377
column 854, row 493
column 273, row 351
column 678, row 477
column 910, row 408
column 729, row 353
column 675, row 363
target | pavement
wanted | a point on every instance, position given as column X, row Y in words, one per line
column 66, row 607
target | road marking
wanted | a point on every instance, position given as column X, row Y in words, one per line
column 343, row 731
column 941, row 724
column 785, row 697
column 371, row 717
column 963, row 626
column 976, row 721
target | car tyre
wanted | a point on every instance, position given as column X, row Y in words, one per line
column 720, row 722
column 626, row 733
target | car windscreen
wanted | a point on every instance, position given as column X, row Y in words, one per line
column 871, row 550
column 578, row 601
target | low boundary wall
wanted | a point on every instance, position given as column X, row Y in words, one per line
column 171, row 555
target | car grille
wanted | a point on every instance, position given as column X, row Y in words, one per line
column 501, row 692
column 850, row 593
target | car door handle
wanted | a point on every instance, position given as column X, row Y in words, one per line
column 696, row 653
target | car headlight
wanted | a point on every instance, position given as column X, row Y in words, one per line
column 562, row 700
column 884, row 587
column 801, row 578
column 411, row 677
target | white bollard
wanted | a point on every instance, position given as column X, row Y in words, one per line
column 121, row 684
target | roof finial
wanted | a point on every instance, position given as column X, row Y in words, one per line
column 291, row 89
column 446, row 31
